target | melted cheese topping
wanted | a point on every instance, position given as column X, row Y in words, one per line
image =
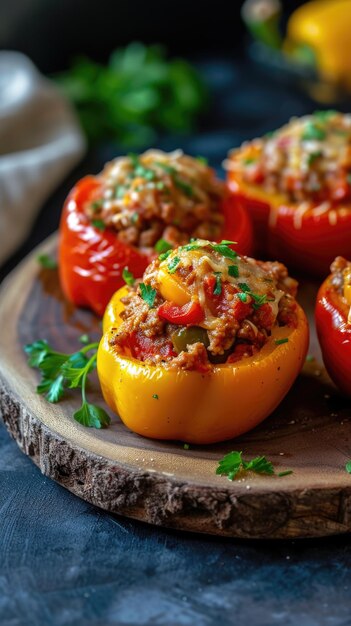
column 204, row 260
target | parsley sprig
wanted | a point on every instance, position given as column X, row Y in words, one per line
column 61, row 371
column 233, row 464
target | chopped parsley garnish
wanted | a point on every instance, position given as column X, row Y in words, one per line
column 233, row 464
column 278, row 342
column 218, row 284
column 191, row 246
column 313, row 157
column 97, row 204
column 169, row 169
column 128, row 277
column 186, row 446
column 249, row 161
column 162, row 246
column 173, row 264
column 47, row 262
column 99, row 224
column 202, row 160
column 183, row 186
column 233, row 271
column 348, row 467
column 244, row 286
column 324, row 116
column 165, row 255
column 155, row 396
column 242, row 297
column 313, row 131
column 62, row 371
column 223, row 249
column 120, row 191
column 148, row 294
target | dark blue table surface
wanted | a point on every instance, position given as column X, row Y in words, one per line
column 63, row 562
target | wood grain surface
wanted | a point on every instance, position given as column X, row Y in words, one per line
column 161, row 482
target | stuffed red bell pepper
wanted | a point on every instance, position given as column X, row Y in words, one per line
column 138, row 207
column 296, row 184
column 333, row 322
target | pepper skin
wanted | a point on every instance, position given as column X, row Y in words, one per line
column 310, row 246
column 334, row 334
column 324, row 26
column 91, row 261
column 162, row 403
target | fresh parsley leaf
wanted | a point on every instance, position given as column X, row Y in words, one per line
column 230, row 465
column 202, row 160
column 244, row 287
column 92, row 416
column 348, row 467
column 148, row 294
column 218, row 285
column 173, row 264
column 137, row 94
column 165, row 255
column 313, row 156
column 162, row 246
column 242, row 297
column 233, row 271
column 286, row 473
column 223, row 249
column 233, row 463
column 313, row 131
column 183, row 186
column 99, row 224
column 155, row 396
column 62, row 371
column 47, row 262
column 55, row 392
column 128, row 277
column 278, row 342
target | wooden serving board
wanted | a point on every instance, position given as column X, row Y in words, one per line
column 161, row 482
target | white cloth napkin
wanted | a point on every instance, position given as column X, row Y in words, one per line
column 40, row 141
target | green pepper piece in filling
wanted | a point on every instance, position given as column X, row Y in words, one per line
column 184, row 336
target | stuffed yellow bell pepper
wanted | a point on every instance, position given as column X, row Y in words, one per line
column 321, row 29
column 205, row 347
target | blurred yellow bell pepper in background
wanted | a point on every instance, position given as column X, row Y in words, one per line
column 324, row 27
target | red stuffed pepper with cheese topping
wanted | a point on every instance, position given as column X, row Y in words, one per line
column 136, row 208
column 296, row 185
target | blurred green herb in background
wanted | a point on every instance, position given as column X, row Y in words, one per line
column 139, row 93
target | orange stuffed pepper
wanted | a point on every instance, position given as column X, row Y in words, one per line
column 205, row 347
column 296, row 185
column 136, row 208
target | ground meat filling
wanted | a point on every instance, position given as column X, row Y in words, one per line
column 341, row 280
column 158, row 198
column 307, row 161
column 201, row 305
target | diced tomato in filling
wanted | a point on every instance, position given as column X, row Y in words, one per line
column 143, row 347
column 189, row 314
column 264, row 316
column 225, row 302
